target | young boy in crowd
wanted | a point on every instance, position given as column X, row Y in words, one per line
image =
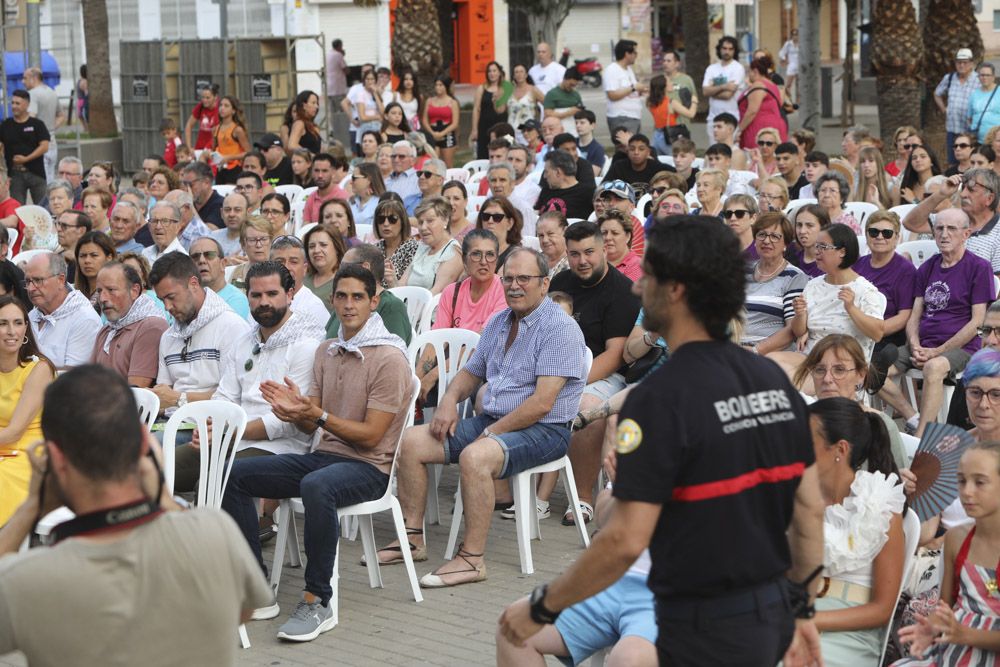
column 184, row 156
column 168, row 130
column 684, row 155
column 592, row 151
column 724, row 129
column 817, row 164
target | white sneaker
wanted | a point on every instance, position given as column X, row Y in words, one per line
column 541, row 508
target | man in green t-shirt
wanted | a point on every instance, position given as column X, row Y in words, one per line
column 563, row 101
column 390, row 308
column 678, row 81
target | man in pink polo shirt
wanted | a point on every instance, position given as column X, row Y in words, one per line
column 327, row 173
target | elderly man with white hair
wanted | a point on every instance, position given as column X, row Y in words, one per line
column 164, row 224
column 63, row 321
column 192, row 228
column 125, row 222
column 403, row 179
column 502, row 179
column 430, row 178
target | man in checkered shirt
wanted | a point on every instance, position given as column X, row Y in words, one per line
column 531, row 355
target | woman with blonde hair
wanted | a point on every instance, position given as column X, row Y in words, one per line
column 773, row 194
column 901, row 142
column 872, row 185
column 709, row 186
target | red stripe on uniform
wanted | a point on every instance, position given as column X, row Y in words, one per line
column 734, row 485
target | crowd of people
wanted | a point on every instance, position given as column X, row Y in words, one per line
column 742, row 323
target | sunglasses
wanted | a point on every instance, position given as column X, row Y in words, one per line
column 738, row 214
column 254, row 352
column 884, row 233
column 766, row 143
column 910, row 147
column 208, row 254
column 492, row 217
column 426, row 174
column 961, row 145
column 391, row 219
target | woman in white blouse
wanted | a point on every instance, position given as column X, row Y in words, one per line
column 438, row 260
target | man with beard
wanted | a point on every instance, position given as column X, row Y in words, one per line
column 327, row 173
column 358, row 398
column 204, row 328
column 281, row 344
column 129, row 342
column 606, row 310
column 207, row 255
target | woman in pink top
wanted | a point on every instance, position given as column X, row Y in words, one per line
column 470, row 302
column 618, row 244
column 760, row 105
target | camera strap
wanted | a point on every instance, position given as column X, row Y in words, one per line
column 115, row 518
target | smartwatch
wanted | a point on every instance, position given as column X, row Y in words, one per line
column 539, row 614
column 321, row 420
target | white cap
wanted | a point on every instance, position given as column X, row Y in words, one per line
column 964, row 54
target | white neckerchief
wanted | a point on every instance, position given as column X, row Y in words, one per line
column 75, row 300
column 210, row 309
column 372, row 334
column 142, row 308
column 298, row 327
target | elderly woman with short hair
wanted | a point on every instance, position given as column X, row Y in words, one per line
column 709, row 186
column 438, row 260
column 551, row 229
column 256, row 235
column 772, row 286
column 832, row 192
column 739, row 214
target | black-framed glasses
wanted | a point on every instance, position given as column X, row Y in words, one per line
column 479, row 255
column 823, row 247
column 773, row 237
column 426, row 174
column 910, row 147
column 254, row 352
column 656, row 192
column 884, row 233
column 492, row 217
column 208, row 254
column 766, row 143
column 971, row 184
column 739, row 214
column 391, row 219
column 158, row 222
column 975, row 394
column 64, row 226
column 520, row 280
column 28, row 282
column 258, row 242
column 272, row 211
column 984, row 331
column 961, row 145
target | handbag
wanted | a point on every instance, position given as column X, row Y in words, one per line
column 641, row 366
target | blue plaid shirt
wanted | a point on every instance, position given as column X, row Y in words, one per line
column 548, row 343
column 957, row 118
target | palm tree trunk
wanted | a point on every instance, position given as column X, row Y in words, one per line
column 897, row 54
column 102, row 109
column 416, row 41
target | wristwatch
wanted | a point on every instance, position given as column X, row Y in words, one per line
column 321, row 420
column 539, row 614
column 182, row 399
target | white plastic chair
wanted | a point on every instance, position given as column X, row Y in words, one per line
column 910, row 384
column 364, row 512
column 292, row 192
column 666, row 159
column 364, row 233
column 536, row 176
column 797, row 204
column 11, row 241
column 919, row 251
column 456, row 174
column 416, row 300
column 305, row 228
column 910, row 444
column 307, row 191
column 25, row 256
column 229, row 271
column 427, row 321
column 902, row 211
column 452, row 349
column 640, row 206
column 861, row 210
column 531, row 242
column 224, row 190
column 911, row 537
column 863, row 248
column 218, row 451
column 525, row 502
column 472, row 208
column 698, row 163
column 475, row 166
column 148, row 404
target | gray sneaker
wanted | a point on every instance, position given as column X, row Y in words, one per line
column 307, row 622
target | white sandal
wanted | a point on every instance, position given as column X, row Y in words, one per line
column 586, row 509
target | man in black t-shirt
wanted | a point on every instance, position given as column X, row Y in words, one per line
column 641, row 166
column 606, row 310
column 565, row 194
column 25, row 140
column 787, row 156
column 715, row 475
column 279, row 167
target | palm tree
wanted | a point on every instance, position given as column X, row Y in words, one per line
column 416, row 40
column 102, row 110
column 897, row 54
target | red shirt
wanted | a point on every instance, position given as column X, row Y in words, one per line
column 208, row 120
column 638, row 237
column 7, row 208
column 170, row 152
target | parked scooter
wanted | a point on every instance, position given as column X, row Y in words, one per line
column 589, row 68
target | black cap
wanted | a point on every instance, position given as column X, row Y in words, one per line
column 530, row 124
column 268, row 140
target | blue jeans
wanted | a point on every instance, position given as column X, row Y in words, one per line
column 660, row 142
column 324, row 482
column 522, row 449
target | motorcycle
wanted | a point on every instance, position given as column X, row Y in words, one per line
column 589, row 68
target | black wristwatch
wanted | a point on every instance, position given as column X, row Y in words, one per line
column 539, row 614
column 321, row 420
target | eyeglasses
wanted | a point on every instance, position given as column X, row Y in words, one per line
column 766, row 143
column 823, row 247
column 426, row 174
column 961, row 145
column 838, row 372
column 910, row 147
column 391, row 219
column 739, row 214
column 241, row 188
column 971, row 185
column 272, row 211
column 254, row 352
column 985, row 331
column 479, row 255
column 258, row 242
column 884, row 233
column 773, row 237
column 161, row 222
column 208, row 254
column 28, row 282
column 399, row 157
column 358, row 177
column 975, row 394
column 656, row 192
column 672, row 207
column 64, row 226
column 188, row 182
column 70, row 173
column 520, row 280
column 184, row 350
column 492, row 217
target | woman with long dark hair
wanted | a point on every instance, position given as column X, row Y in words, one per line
column 441, row 119
column 408, row 97
column 231, row 141
column 303, row 132
column 489, row 107
column 923, row 164
column 394, row 123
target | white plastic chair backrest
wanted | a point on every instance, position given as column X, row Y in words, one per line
column 292, row 192
column 666, row 159
column 229, row 271
column 698, row 163
column 571, row 221
column 295, row 217
column 640, row 206
column 305, row 228
column 902, row 211
column 148, row 404
column 911, row 540
column 410, row 411
column 456, row 174
column 531, row 242
column 11, row 241
column 692, row 199
column 25, row 256
column 910, row 444
column 604, row 170
column 588, row 361
column 919, row 251
column 416, row 300
column 308, row 191
column 798, row 203
column 861, row 210
column 863, row 248
column 228, row 423
column 224, row 190
column 996, row 286
column 474, row 166
column 460, row 344
column 536, row 176
column 475, row 203
column 364, row 233
column 430, row 314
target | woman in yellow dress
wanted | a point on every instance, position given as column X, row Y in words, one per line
column 24, row 374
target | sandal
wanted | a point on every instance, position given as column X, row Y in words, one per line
column 418, row 554
column 434, row 580
column 586, row 509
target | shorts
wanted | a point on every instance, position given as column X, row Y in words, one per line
column 623, row 609
column 957, row 359
column 606, row 388
column 449, row 140
column 522, row 449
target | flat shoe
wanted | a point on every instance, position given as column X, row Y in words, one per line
column 470, row 575
column 419, row 554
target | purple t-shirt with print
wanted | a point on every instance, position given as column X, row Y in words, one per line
column 897, row 280
column 949, row 295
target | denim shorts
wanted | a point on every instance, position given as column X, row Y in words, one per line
column 623, row 609
column 606, row 388
column 522, row 449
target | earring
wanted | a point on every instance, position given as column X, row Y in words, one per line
column 25, row 341
column 858, row 386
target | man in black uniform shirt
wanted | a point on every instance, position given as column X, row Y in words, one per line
column 715, row 475
column 25, row 140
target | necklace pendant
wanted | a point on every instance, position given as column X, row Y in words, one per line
column 991, row 586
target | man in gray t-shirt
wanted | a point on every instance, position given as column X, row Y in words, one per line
column 45, row 107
